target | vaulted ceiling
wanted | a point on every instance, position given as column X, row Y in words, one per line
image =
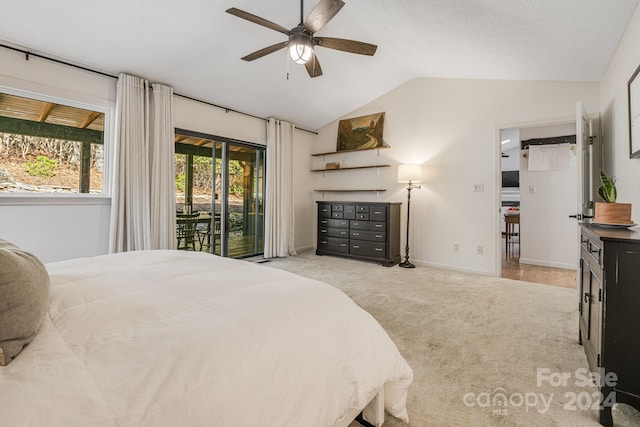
column 196, row 47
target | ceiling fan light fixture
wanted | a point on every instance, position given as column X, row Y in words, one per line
column 300, row 49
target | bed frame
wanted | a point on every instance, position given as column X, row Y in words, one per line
column 371, row 415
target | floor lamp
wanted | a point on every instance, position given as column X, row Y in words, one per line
column 409, row 174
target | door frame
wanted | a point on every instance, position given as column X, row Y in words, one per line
column 497, row 224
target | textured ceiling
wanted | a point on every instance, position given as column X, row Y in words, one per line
column 196, row 47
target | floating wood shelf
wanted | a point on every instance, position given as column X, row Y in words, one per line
column 350, row 151
column 351, row 167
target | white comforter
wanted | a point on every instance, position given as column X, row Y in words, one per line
column 172, row 338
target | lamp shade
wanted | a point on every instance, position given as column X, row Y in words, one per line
column 410, row 173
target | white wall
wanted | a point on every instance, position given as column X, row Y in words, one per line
column 62, row 228
column 452, row 128
column 615, row 121
column 548, row 235
column 199, row 117
column 302, row 194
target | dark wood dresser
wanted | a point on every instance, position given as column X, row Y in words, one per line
column 364, row 230
column 609, row 292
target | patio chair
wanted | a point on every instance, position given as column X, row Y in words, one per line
column 205, row 233
column 186, row 231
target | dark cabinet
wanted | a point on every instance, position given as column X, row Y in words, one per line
column 609, row 305
column 362, row 230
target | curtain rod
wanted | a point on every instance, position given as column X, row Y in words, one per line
column 58, row 61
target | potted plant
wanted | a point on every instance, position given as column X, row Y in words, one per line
column 610, row 212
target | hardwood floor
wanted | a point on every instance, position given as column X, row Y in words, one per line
column 512, row 269
column 239, row 246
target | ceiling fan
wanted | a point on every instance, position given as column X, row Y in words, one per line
column 302, row 42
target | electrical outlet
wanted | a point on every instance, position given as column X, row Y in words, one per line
column 478, row 188
column 456, row 247
column 480, row 250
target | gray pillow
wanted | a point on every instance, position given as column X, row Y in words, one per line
column 24, row 298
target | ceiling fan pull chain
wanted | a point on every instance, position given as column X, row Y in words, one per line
column 288, row 65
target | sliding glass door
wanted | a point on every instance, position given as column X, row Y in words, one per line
column 240, row 174
column 223, row 180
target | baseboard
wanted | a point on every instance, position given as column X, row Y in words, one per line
column 548, row 264
column 304, row 249
column 453, row 268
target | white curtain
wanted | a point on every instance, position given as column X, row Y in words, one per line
column 143, row 194
column 279, row 214
column 162, row 169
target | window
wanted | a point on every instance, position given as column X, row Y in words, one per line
column 47, row 147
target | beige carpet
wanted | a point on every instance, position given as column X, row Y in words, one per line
column 473, row 337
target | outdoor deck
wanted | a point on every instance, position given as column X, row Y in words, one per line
column 239, row 246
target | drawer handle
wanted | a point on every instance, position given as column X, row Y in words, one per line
column 356, row 234
column 356, row 247
column 586, row 298
column 378, row 236
column 356, row 223
column 378, row 213
column 325, row 210
column 593, row 251
column 584, row 240
column 323, row 231
column 324, row 242
column 380, row 250
column 342, row 233
column 343, row 223
column 343, row 244
column 324, row 221
column 380, row 226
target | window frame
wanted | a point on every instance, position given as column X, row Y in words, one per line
column 108, row 149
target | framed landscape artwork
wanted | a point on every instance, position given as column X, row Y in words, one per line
column 360, row 133
column 634, row 115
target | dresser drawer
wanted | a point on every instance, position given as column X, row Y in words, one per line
column 591, row 249
column 368, row 249
column 368, row 225
column 372, row 236
column 362, row 216
column 362, row 208
column 333, row 244
column 349, row 212
column 337, row 208
column 378, row 213
column 336, row 223
column 337, row 214
column 333, row 232
column 324, row 211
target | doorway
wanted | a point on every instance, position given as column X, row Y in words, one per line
column 542, row 245
column 239, row 182
column 222, row 181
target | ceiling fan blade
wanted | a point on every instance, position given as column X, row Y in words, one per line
column 257, row 20
column 313, row 66
column 265, row 51
column 344, row 45
column 322, row 13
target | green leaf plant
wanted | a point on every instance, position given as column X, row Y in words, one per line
column 607, row 191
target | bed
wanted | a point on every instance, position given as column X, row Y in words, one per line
column 176, row 338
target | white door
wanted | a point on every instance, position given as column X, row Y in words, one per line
column 588, row 159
